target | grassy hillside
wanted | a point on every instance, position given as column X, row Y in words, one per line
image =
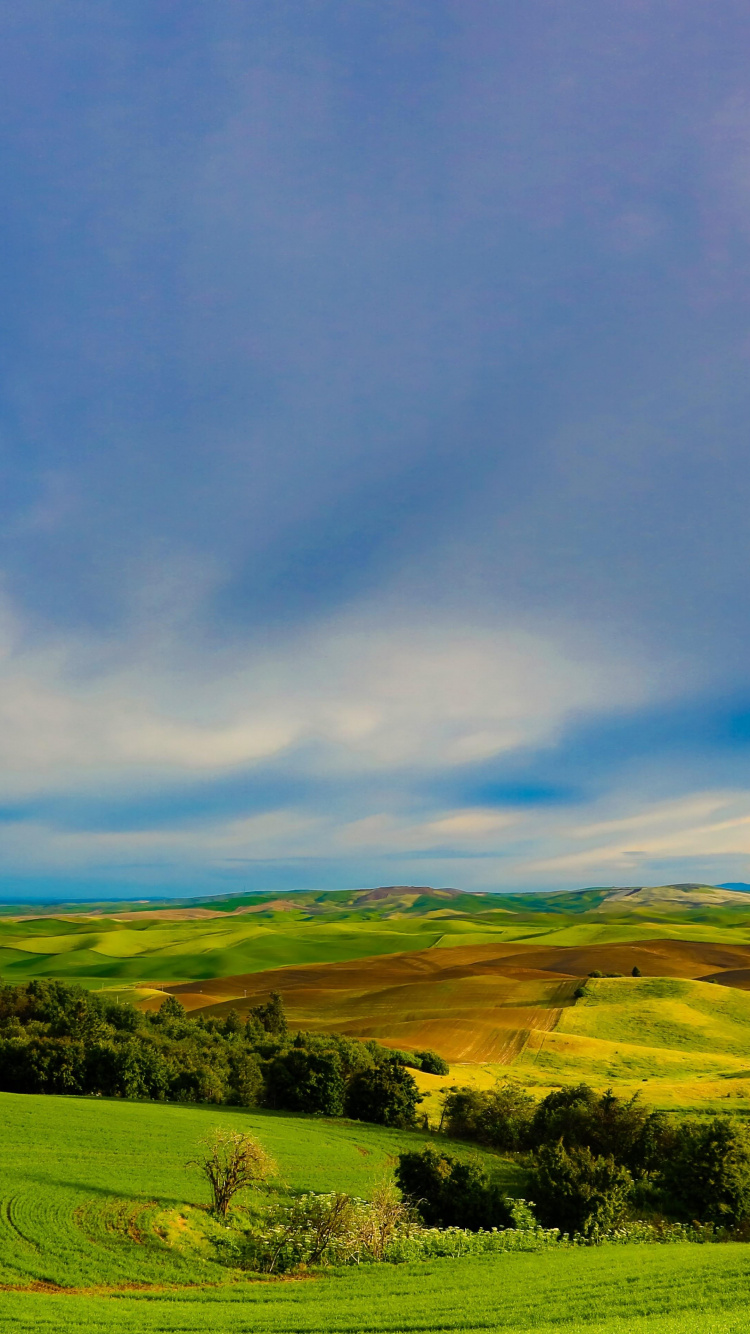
column 679, row 1039
column 631, row 1290
column 95, row 1198
column 680, row 1042
column 486, row 980
column 96, row 1192
column 248, row 934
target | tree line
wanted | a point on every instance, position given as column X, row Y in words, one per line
column 59, row 1038
column 593, row 1161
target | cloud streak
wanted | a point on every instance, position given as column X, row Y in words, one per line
column 373, row 422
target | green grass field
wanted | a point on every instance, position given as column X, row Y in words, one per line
column 99, row 1231
column 632, row 1290
column 96, row 1201
column 91, row 1188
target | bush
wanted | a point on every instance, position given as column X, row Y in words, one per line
column 387, row 1095
column 499, row 1117
column 306, row 1081
column 604, row 1123
column 578, row 1192
column 449, row 1193
column 431, row 1063
column 707, row 1173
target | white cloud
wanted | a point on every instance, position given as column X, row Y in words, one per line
column 370, row 694
column 701, row 826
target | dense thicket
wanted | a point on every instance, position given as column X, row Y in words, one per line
column 449, row 1193
column 595, row 1159
column 507, row 1117
column 56, row 1038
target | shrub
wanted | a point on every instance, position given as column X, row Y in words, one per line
column 306, row 1081
column 707, row 1173
column 604, row 1123
column 449, row 1193
column 499, row 1117
column 387, row 1095
column 578, row 1192
column 431, row 1063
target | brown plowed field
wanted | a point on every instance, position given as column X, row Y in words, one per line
column 733, row 977
column 476, row 1003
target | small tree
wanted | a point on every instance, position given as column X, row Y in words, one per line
column 171, row 1010
column 232, row 1023
column 636, row 972
column 431, row 1063
column 271, row 1016
column 386, row 1095
column 230, row 1162
column 577, row 1192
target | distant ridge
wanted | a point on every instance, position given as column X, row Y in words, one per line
column 638, row 901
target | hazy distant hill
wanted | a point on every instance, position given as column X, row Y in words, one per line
column 417, row 900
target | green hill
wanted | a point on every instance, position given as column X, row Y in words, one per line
column 82, row 1180
column 100, row 1234
column 247, row 934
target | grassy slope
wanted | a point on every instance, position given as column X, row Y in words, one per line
column 80, row 1179
column 632, row 1290
column 474, row 1016
column 251, row 933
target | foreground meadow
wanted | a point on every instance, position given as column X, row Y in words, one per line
column 96, row 1192
column 101, row 1232
column 634, row 1289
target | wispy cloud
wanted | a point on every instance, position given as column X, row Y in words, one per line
column 373, row 442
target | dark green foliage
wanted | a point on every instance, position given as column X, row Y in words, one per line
column 706, row 1174
column 579, row 993
column 271, row 1016
column 635, row 972
column 385, row 1094
column 449, row 1193
column 56, row 1038
column 499, row 1117
column 596, row 972
column 431, row 1063
column 578, row 1192
column 233, row 1023
column 306, row 1081
column 580, row 1118
column 171, row 1010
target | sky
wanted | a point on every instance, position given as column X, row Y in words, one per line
column 374, row 449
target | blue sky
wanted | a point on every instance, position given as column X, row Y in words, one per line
column 374, row 480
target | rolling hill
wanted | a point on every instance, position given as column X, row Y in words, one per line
column 487, row 980
column 249, row 934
